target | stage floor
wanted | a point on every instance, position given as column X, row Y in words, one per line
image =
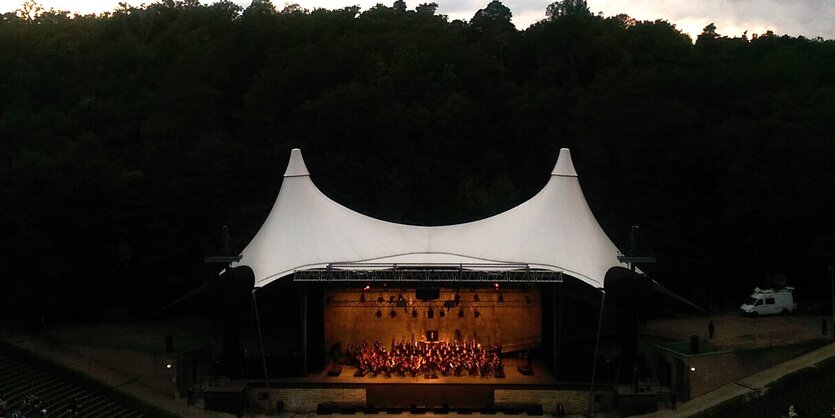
column 540, row 376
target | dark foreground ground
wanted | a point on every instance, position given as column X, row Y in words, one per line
column 131, row 355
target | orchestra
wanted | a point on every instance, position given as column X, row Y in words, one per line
column 427, row 358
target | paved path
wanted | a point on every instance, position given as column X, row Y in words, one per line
column 755, row 383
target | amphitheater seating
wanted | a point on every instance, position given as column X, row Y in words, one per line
column 20, row 378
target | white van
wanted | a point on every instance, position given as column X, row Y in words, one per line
column 770, row 302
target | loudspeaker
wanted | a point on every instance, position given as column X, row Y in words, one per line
column 427, row 293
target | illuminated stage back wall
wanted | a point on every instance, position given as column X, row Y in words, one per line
column 506, row 316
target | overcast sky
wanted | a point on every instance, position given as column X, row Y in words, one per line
column 810, row 18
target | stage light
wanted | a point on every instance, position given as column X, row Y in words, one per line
column 366, row 287
column 692, row 369
column 168, row 366
column 477, row 313
column 461, row 313
column 501, row 298
column 379, row 313
column 392, row 313
column 496, row 285
column 431, row 313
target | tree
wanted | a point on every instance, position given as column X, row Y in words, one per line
column 567, row 8
column 495, row 18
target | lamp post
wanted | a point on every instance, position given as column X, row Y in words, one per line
column 832, row 284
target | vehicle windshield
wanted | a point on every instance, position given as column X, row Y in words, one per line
column 751, row 301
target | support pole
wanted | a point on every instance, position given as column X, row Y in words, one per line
column 263, row 353
column 832, row 283
column 304, row 329
column 556, row 351
column 596, row 351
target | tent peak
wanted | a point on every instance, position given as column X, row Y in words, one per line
column 564, row 167
column 296, row 166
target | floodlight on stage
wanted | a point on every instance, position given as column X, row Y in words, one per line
column 366, row 287
column 461, row 313
column 379, row 313
column 414, row 313
column 496, row 285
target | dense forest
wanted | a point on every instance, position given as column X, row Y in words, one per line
column 128, row 139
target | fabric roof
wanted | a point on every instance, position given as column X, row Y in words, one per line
column 555, row 230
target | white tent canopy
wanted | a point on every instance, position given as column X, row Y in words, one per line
column 555, row 231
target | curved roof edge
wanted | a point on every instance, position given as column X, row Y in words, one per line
column 554, row 230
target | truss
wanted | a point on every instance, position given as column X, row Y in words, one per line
column 447, row 273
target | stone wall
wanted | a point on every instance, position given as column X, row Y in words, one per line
column 574, row 402
column 305, row 400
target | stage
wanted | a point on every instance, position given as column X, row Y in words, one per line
column 397, row 393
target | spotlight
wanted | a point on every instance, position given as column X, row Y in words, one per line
column 431, row 313
column 168, row 366
column 477, row 314
column 379, row 313
column 368, row 286
column 501, row 298
column 692, row 369
column 414, row 313
column 392, row 313
column 496, row 285
column 461, row 313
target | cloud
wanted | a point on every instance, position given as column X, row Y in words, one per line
column 810, row 18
